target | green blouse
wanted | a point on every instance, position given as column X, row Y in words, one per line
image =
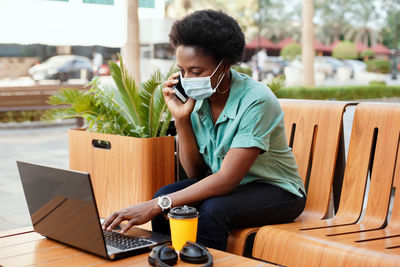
column 252, row 117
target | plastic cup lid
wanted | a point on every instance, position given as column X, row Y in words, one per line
column 183, row 212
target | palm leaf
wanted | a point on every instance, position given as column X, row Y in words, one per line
column 149, row 107
column 127, row 110
column 127, row 91
column 277, row 83
column 165, row 122
column 59, row 113
column 64, row 96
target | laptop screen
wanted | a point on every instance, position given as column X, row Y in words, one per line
column 62, row 206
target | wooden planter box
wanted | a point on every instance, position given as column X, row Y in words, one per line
column 124, row 170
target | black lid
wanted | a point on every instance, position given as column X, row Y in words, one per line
column 183, row 212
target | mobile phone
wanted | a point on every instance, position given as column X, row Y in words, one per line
column 180, row 92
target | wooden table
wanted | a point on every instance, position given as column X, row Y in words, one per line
column 23, row 247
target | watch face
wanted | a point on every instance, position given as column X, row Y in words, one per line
column 165, row 202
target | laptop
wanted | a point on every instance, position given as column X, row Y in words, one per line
column 62, row 207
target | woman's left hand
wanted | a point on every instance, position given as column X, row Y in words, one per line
column 135, row 215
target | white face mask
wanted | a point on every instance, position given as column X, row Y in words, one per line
column 200, row 87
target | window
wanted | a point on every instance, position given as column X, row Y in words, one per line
column 100, row 2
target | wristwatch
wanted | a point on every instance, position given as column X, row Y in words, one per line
column 165, row 203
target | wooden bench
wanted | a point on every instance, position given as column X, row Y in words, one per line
column 314, row 131
column 30, row 98
column 352, row 237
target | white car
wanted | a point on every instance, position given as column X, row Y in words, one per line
column 355, row 65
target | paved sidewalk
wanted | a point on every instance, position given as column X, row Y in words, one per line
column 44, row 145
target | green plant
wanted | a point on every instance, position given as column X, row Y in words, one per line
column 378, row 65
column 129, row 110
column 345, row 50
column 377, row 83
column 340, row 92
column 244, row 70
column 367, row 53
column 291, row 51
column 277, row 83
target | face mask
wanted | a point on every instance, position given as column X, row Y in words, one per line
column 200, row 87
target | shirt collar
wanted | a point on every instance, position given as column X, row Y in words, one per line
column 235, row 94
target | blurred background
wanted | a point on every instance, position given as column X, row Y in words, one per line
column 53, row 41
column 331, row 49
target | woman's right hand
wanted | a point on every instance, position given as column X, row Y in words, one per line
column 179, row 110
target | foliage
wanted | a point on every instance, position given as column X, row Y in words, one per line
column 377, row 83
column 368, row 53
column 241, row 69
column 333, row 22
column 340, row 92
column 20, row 116
column 277, row 83
column 291, row 51
column 345, row 50
column 390, row 33
column 378, row 65
column 268, row 18
column 130, row 110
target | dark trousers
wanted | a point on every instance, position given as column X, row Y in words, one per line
column 250, row 205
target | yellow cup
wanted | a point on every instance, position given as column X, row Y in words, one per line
column 183, row 223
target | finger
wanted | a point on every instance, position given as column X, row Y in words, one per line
column 127, row 226
column 170, row 83
column 109, row 219
column 116, row 222
column 174, row 75
column 168, row 92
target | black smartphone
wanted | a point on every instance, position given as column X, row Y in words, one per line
column 180, row 92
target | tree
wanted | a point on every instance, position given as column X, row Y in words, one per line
column 332, row 19
column 291, row 51
column 131, row 51
column 307, row 42
column 345, row 50
column 365, row 19
column 266, row 18
column 391, row 32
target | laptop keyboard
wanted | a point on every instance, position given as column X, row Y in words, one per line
column 124, row 242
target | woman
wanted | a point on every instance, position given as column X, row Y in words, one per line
column 232, row 141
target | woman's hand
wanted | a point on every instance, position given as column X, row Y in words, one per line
column 135, row 215
column 179, row 110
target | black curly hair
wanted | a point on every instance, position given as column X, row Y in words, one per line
column 212, row 32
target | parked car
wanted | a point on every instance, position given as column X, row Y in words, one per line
column 323, row 66
column 334, row 62
column 63, row 68
column 104, row 70
column 356, row 66
column 274, row 66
